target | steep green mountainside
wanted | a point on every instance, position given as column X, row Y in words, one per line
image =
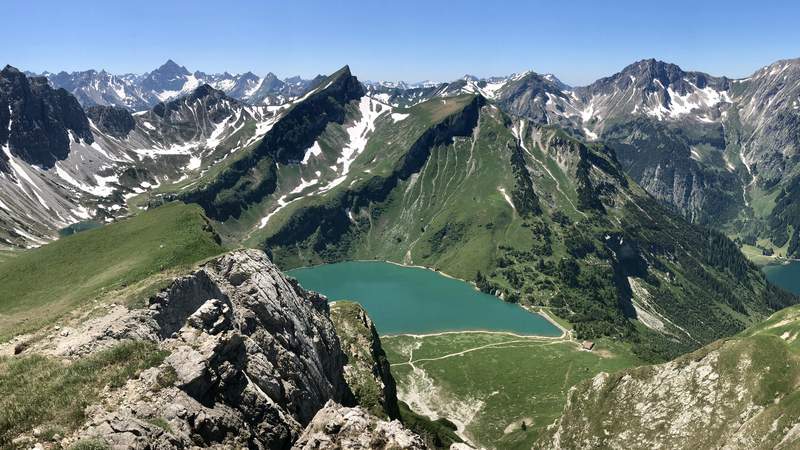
column 681, row 164
column 367, row 369
column 533, row 215
column 737, row 393
column 125, row 258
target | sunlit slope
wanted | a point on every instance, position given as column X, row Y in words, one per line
column 739, row 393
column 41, row 284
column 533, row 215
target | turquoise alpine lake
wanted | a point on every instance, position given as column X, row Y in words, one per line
column 786, row 275
column 414, row 300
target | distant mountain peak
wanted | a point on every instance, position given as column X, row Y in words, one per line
column 9, row 69
column 205, row 90
column 170, row 64
column 172, row 68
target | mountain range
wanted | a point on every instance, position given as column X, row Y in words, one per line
column 720, row 151
column 621, row 206
column 143, row 91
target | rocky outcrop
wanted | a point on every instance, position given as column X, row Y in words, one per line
column 113, row 120
column 367, row 368
column 339, row 428
column 252, row 358
column 734, row 394
column 667, row 162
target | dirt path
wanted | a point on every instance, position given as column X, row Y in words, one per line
column 539, row 340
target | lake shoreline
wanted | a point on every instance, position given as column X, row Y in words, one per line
column 564, row 331
column 505, row 333
column 421, row 310
column 413, row 266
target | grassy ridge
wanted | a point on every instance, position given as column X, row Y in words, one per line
column 749, row 381
column 41, row 284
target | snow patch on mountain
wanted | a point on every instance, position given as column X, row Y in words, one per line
column 313, row 151
column 358, row 135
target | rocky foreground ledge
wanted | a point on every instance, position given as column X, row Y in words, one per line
column 252, row 361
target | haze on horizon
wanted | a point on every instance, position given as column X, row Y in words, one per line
column 578, row 41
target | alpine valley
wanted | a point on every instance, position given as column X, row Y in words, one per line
column 146, row 221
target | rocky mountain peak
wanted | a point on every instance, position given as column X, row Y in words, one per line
column 343, row 85
column 37, row 120
column 10, row 70
column 168, row 77
column 205, row 90
column 172, row 67
column 271, row 83
column 650, row 73
column 204, row 93
column 249, row 77
column 556, row 81
column 114, row 120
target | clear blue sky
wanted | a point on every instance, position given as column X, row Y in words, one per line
column 578, row 41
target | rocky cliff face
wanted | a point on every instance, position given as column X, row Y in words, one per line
column 768, row 104
column 367, row 368
column 38, row 122
column 113, row 120
column 735, row 394
column 677, row 167
column 253, row 357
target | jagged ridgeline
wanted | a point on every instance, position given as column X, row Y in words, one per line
column 527, row 211
column 253, row 176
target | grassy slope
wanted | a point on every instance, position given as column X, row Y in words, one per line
column 514, row 380
column 362, row 358
column 750, row 381
column 386, row 147
column 45, row 392
column 422, row 205
column 6, row 255
column 42, row 284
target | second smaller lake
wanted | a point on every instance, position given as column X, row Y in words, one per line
column 786, row 275
column 418, row 301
